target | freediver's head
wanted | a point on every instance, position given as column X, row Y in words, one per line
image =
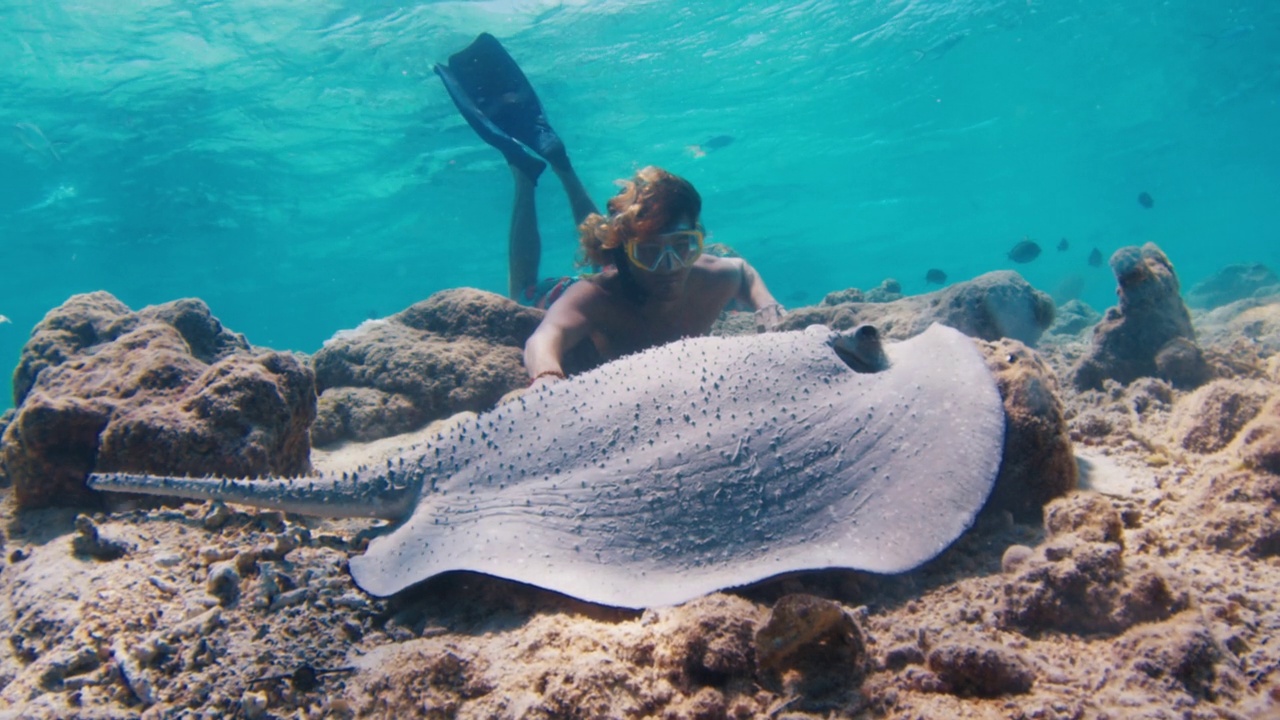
column 653, row 210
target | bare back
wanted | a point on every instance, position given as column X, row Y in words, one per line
column 618, row 326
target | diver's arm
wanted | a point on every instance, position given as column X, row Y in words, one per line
column 563, row 327
column 753, row 293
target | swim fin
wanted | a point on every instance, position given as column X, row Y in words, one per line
column 497, row 101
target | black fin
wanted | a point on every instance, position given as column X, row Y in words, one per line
column 498, row 102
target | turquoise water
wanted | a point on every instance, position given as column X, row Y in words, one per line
column 300, row 168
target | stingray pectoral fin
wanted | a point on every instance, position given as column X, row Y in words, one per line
column 711, row 463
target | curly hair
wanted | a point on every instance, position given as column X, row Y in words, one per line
column 647, row 203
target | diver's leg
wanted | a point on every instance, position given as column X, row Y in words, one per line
column 579, row 201
column 524, row 246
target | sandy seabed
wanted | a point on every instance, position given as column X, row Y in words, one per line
column 1151, row 592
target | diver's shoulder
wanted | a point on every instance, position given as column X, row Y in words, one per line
column 599, row 281
column 584, row 289
column 601, row 287
column 718, row 261
column 716, row 265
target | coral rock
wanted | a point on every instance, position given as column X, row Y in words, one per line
column 459, row 350
column 712, row 641
column 707, row 704
column 1038, row 464
column 980, row 669
column 223, row 582
column 1182, row 363
column 1233, row 283
column 90, row 541
column 1209, row 419
column 798, row 621
column 165, row 390
column 1260, row 440
column 1089, row 515
column 414, row 676
column 65, row 332
column 392, row 379
column 841, row 297
column 887, row 291
column 1243, row 328
column 1182, row 656
column 811, row 648
column 1073, row 317
column 991, row 306
column 466, row 312
column 1150, row 322
column 1015, row 558
column 1079, row 582
column 254, row 410
column 361, row 414
column 995, row 305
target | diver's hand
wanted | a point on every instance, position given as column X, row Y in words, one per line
column 546, row 377
column 769, row 317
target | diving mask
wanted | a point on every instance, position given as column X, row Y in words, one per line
column 667, row 252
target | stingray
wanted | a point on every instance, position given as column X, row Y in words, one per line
column 696, row 466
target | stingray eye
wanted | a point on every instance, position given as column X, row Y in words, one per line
column 861, row 349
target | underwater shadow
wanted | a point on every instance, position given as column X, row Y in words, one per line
column 977, row 553
column 472, row 603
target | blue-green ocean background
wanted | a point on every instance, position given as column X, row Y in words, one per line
column 300, row 168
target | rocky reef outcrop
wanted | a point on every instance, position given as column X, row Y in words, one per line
column 166, row 389
column 1037, row 464
column 462, row 349
column 1243, row 331
column 1149, row 333
column 1260, row 443
column 1079, row 581
column 1233, row 283
column 992, row 306
column 1151, row 595
column 458, row 350
column 1213, row 415
column 888, row 290
column 1072, row 318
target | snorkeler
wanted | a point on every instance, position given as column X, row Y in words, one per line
column 655, row 284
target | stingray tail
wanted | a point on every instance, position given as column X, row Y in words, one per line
column 385, row 494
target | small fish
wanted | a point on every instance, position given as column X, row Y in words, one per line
column 935, row 277
column 1025, row 251
column 1232, row 33
column 1063, row 245
column 717, row 142
column 942, row 47
column 709, row 145
column 1095, row 258
column 4, row 320
column 1145, row 200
